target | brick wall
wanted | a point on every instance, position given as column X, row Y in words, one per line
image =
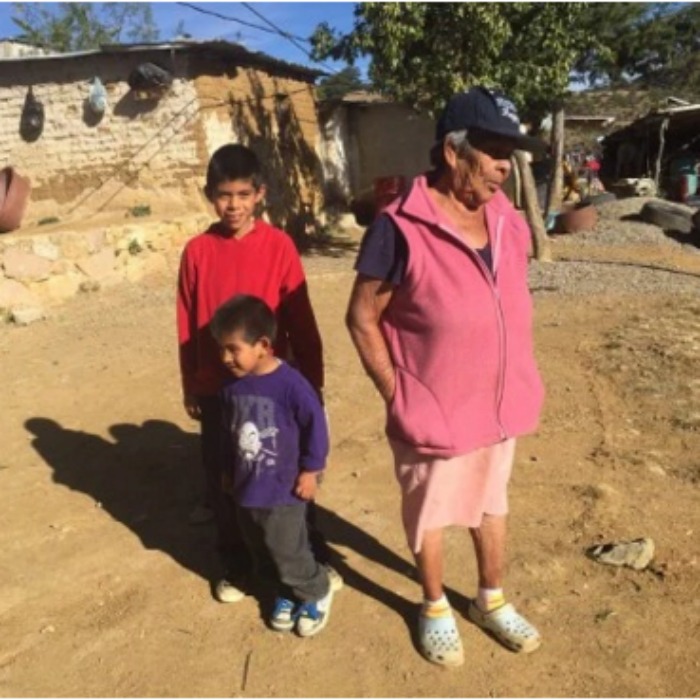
column 277, row 118
column 153, row 152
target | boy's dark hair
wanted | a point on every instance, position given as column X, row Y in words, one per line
column 232, row 162
column 245, row 313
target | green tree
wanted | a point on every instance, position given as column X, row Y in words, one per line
column 421, row 53
column 675, row 61
column 648, row 44
column 336, row 86
column 76, row 26
column 616, row 40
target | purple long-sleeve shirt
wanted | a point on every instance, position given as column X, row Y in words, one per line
column 274, row 427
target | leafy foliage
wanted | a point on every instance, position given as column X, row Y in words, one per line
column 421, row 52
column 614, row 46
column 76, row 26
column 336, row 86
column 645, row 43
column 677, row 64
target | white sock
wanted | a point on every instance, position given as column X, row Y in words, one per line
column 489, row 599
column 437, row 607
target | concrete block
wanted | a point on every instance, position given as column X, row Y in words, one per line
column 73, row 245
column 95, row 241
column 24, row 266
column 62, row 267
column 44, row 248
column 98, row 266
column 14, row 294
column 26, row 315
column 60, row 287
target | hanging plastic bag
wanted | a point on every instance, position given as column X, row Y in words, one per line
column 31, row 122
column 97, row 98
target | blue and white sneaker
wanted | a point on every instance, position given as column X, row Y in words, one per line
column 283, row 617
column 334, row 579
column 313, row 616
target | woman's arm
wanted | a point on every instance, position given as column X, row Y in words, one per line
column 368, row 300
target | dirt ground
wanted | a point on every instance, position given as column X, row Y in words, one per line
column 104, row 585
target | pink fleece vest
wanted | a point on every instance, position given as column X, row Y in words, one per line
column 461, row 337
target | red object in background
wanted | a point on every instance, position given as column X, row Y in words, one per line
column 14, row 194
column 387, row 189
column 576, row 218
column 686, row 187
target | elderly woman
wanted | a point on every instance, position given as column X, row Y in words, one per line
column 441, row 317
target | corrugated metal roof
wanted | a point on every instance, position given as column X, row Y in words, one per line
column 678, row 118
column 675, row 110
column 238, row 51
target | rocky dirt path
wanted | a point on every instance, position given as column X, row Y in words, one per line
column 104, row 584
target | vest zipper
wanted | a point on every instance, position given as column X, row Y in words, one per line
column 491, row 281
column 501, row 329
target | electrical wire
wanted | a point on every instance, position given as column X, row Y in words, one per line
column 279, row 31
column 270, row 29
column 228, row 18
column 288, row 36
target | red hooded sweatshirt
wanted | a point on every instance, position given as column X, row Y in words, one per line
column 264, row 263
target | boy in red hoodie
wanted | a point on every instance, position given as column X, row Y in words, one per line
column 238, row 255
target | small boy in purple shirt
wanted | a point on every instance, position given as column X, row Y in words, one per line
column 276, row 444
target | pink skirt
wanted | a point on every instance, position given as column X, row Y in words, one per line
column 460, row 490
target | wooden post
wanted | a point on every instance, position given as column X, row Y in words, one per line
column 555, row 190
column 662, row 141
column 541, row 245
column 517, row 184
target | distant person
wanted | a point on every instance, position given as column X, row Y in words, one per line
column 275, row 449
column 238, row 254
column 441, row 317
column 592, row 167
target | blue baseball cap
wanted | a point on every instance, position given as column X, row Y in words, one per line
column 489, row 111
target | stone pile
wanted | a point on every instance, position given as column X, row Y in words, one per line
column 38, row 271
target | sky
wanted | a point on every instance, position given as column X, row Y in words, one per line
column 298, row 18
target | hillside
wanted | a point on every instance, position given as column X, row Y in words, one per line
column 625, row 104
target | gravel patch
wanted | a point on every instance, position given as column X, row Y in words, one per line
column 583, row 279
column 616, row 228
column 618, row 225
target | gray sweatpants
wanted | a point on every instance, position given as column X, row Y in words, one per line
column 278, row 539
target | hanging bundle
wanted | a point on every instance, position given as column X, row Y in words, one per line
column 97, row 99
column 149, row 80
column 31, row 122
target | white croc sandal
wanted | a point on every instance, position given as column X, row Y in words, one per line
column 509, row 627
column 439, row 640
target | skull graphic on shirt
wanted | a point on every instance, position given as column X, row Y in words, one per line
column 249, row 441
column 252, row 448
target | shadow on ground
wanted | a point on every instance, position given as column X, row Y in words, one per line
column 144, row 479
